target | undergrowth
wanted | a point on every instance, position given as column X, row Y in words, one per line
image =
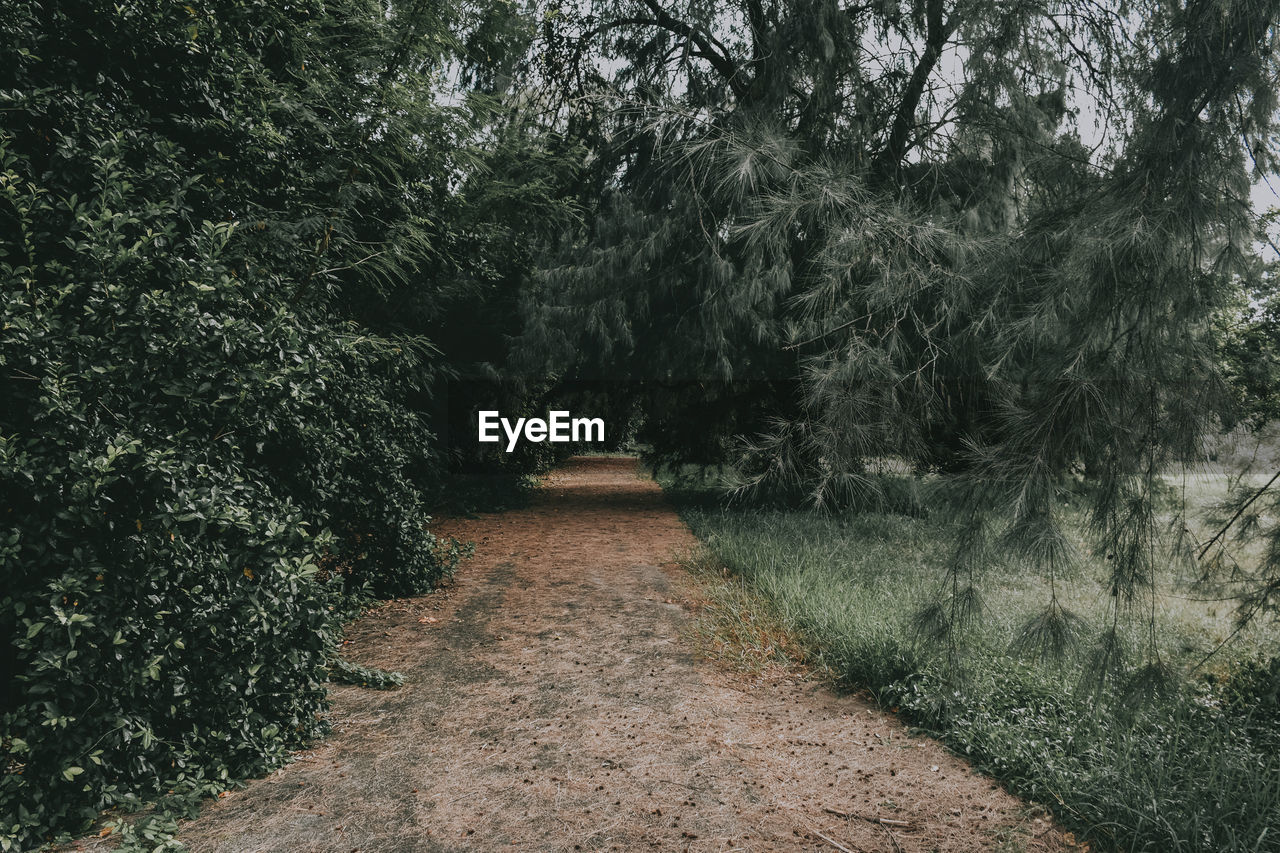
column 1189, row 764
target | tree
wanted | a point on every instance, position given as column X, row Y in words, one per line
column 899, row 213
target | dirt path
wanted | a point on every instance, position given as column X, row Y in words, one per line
column 550, row 704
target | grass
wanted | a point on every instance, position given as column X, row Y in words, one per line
column 1191, row 763
column 735, row 625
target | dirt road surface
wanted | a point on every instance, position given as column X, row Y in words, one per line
column 551, row 703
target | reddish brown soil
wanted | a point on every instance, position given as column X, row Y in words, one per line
column 551, row 704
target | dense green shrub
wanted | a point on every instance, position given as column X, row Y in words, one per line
column 178, row 453
column 162, row 599
column 203, row 459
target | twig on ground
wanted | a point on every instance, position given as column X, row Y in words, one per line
column 887, row 821
column 832, row 842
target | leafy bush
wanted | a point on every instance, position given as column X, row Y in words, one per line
column 167, row 618
column 201, row 465
column 177, row 455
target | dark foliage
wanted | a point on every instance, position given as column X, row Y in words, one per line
column 206, row 452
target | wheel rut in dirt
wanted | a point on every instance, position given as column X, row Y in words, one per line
column 552, row 703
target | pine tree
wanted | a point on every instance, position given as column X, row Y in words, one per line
column 897, row 216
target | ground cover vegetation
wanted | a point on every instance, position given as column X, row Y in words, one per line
column 989, row 268
column 1191, row 765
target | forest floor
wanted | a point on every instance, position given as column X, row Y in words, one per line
column 555, row 700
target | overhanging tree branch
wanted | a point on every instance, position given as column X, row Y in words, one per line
column 1239, row 512
column 708, row 47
